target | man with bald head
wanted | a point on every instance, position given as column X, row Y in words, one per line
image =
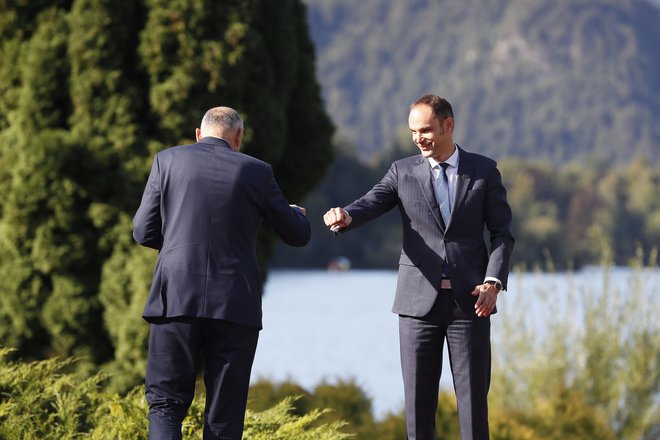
column 201, row 209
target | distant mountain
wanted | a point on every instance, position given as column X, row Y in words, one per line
column 550, row 79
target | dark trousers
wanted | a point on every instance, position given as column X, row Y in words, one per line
column 177, row 347
column 421, row 343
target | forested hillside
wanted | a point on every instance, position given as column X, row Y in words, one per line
column 550, row 79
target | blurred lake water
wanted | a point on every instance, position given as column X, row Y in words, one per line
column 330, row 326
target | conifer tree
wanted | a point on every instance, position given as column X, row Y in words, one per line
column 89, row 91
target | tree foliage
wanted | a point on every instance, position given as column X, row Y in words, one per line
column 39, row 400
column 348, row 402
column 89, row 91
column 583, row 214
column 590, row 356
column 555, row 80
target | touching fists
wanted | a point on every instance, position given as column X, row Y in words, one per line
column 336, row 219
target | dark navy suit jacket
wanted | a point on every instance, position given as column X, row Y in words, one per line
column 429, row 248
column 201, row 209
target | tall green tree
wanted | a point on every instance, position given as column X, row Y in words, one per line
column 89, row 91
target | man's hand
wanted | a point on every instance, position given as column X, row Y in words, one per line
column 487, row 294
column 302, row 210
column 337, row 219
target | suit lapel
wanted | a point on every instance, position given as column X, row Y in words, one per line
column 463, row 178
column 422, row 172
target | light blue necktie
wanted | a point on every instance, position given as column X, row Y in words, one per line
column 442, row 192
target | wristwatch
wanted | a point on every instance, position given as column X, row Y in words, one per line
column 496, row 284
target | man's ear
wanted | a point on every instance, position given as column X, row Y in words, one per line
column 198, row 134
column 238, row 139
column 450, row 123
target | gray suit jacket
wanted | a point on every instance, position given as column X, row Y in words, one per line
column 202, row 208
column 428, row 247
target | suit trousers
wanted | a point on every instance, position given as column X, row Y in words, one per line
column 178, row 347
column 421, row 344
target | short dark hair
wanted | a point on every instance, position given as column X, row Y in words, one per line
column 440, row 106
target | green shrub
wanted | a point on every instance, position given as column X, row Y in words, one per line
column 42, row 400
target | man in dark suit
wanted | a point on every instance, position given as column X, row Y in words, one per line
column 448, row 278
column 201, row 209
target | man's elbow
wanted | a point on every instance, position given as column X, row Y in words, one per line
column 301, row 238
column 143, row 239
column 139, row 235
column 305, row 239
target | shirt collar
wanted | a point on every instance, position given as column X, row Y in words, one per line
column 452, row 160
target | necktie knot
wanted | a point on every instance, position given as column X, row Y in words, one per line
column 444, row 166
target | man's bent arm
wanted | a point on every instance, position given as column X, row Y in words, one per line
column 147, row 223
